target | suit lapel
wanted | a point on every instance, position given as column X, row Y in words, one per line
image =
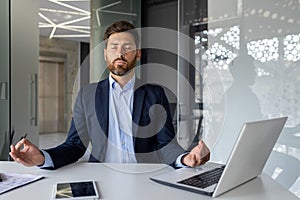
column 102, row 104
column 138, row 105
column 138, row 102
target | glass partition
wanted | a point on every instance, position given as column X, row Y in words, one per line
column 246, row 67
column 4, row 80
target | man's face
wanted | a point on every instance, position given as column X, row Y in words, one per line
column 121, row 53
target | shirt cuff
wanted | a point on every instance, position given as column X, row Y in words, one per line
column 178, row 163
column 48, row 160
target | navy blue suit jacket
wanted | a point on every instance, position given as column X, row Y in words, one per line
column 154, row 137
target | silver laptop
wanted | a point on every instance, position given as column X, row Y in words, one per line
column 246, row 161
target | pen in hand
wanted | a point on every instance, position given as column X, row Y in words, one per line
column 24, row 136
column 1, row 178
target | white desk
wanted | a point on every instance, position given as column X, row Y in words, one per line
column 131, row 182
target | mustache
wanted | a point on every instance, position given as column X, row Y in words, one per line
column 121, row 58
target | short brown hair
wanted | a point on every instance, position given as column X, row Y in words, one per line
column 121, row 26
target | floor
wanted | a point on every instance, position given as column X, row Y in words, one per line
column 48, row 140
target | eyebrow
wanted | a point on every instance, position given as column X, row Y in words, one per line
column 117, row 43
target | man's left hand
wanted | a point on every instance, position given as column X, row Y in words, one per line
column 199, row 155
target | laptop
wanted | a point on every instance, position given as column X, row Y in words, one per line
column 246, row 161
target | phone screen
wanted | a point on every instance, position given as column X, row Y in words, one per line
column 76, row 190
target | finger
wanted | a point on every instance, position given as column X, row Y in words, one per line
column 26, row 145
column 205, row 159
column 204, row 150
column 13, row 156
column 196, row 150
column 197, row 160
column 18, row 159
column 202, row 145
column 25, row 162
column 191, row 160
column 202, row 154
column 19, row 144
column 12, row 148
column 14, row 153
column 27, row 142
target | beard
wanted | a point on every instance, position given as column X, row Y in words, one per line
column 121, row 69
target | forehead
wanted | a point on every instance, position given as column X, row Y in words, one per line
column 123, row 37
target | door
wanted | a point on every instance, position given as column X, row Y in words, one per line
column 51, row 97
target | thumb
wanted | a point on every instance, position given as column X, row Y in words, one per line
column 27, row 143
column 190, row 160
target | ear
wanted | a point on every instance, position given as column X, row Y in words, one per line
column 105, row 53
column 138, row 54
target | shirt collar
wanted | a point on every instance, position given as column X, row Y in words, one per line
column 115, row 85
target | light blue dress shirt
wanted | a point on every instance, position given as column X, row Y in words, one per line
column 120, row 142
column 120, row 147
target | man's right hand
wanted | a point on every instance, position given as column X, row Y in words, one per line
column 26, row 153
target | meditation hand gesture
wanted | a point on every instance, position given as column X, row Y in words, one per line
column 199, row 155
column 26, row 153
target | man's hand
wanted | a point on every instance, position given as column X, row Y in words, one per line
column 26, row 153
column 199, row 155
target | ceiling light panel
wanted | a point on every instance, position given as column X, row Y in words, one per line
column 65, row 19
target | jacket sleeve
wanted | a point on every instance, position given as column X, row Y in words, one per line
column 170, row 150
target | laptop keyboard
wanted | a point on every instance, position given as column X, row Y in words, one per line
column 205, row 179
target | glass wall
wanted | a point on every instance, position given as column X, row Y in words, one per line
column 247, row 67
column 18, row 68
column 4, row 80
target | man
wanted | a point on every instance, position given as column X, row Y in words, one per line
column 124, row 120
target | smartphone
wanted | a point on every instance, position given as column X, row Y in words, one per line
column 75, row 190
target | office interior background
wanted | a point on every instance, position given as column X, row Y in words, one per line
column 221, row 62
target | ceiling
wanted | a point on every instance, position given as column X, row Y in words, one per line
column 67, row 19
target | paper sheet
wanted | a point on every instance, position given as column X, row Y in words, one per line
column 12, row 180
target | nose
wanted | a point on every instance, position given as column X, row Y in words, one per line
column 121, row 55
column 121, row 52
